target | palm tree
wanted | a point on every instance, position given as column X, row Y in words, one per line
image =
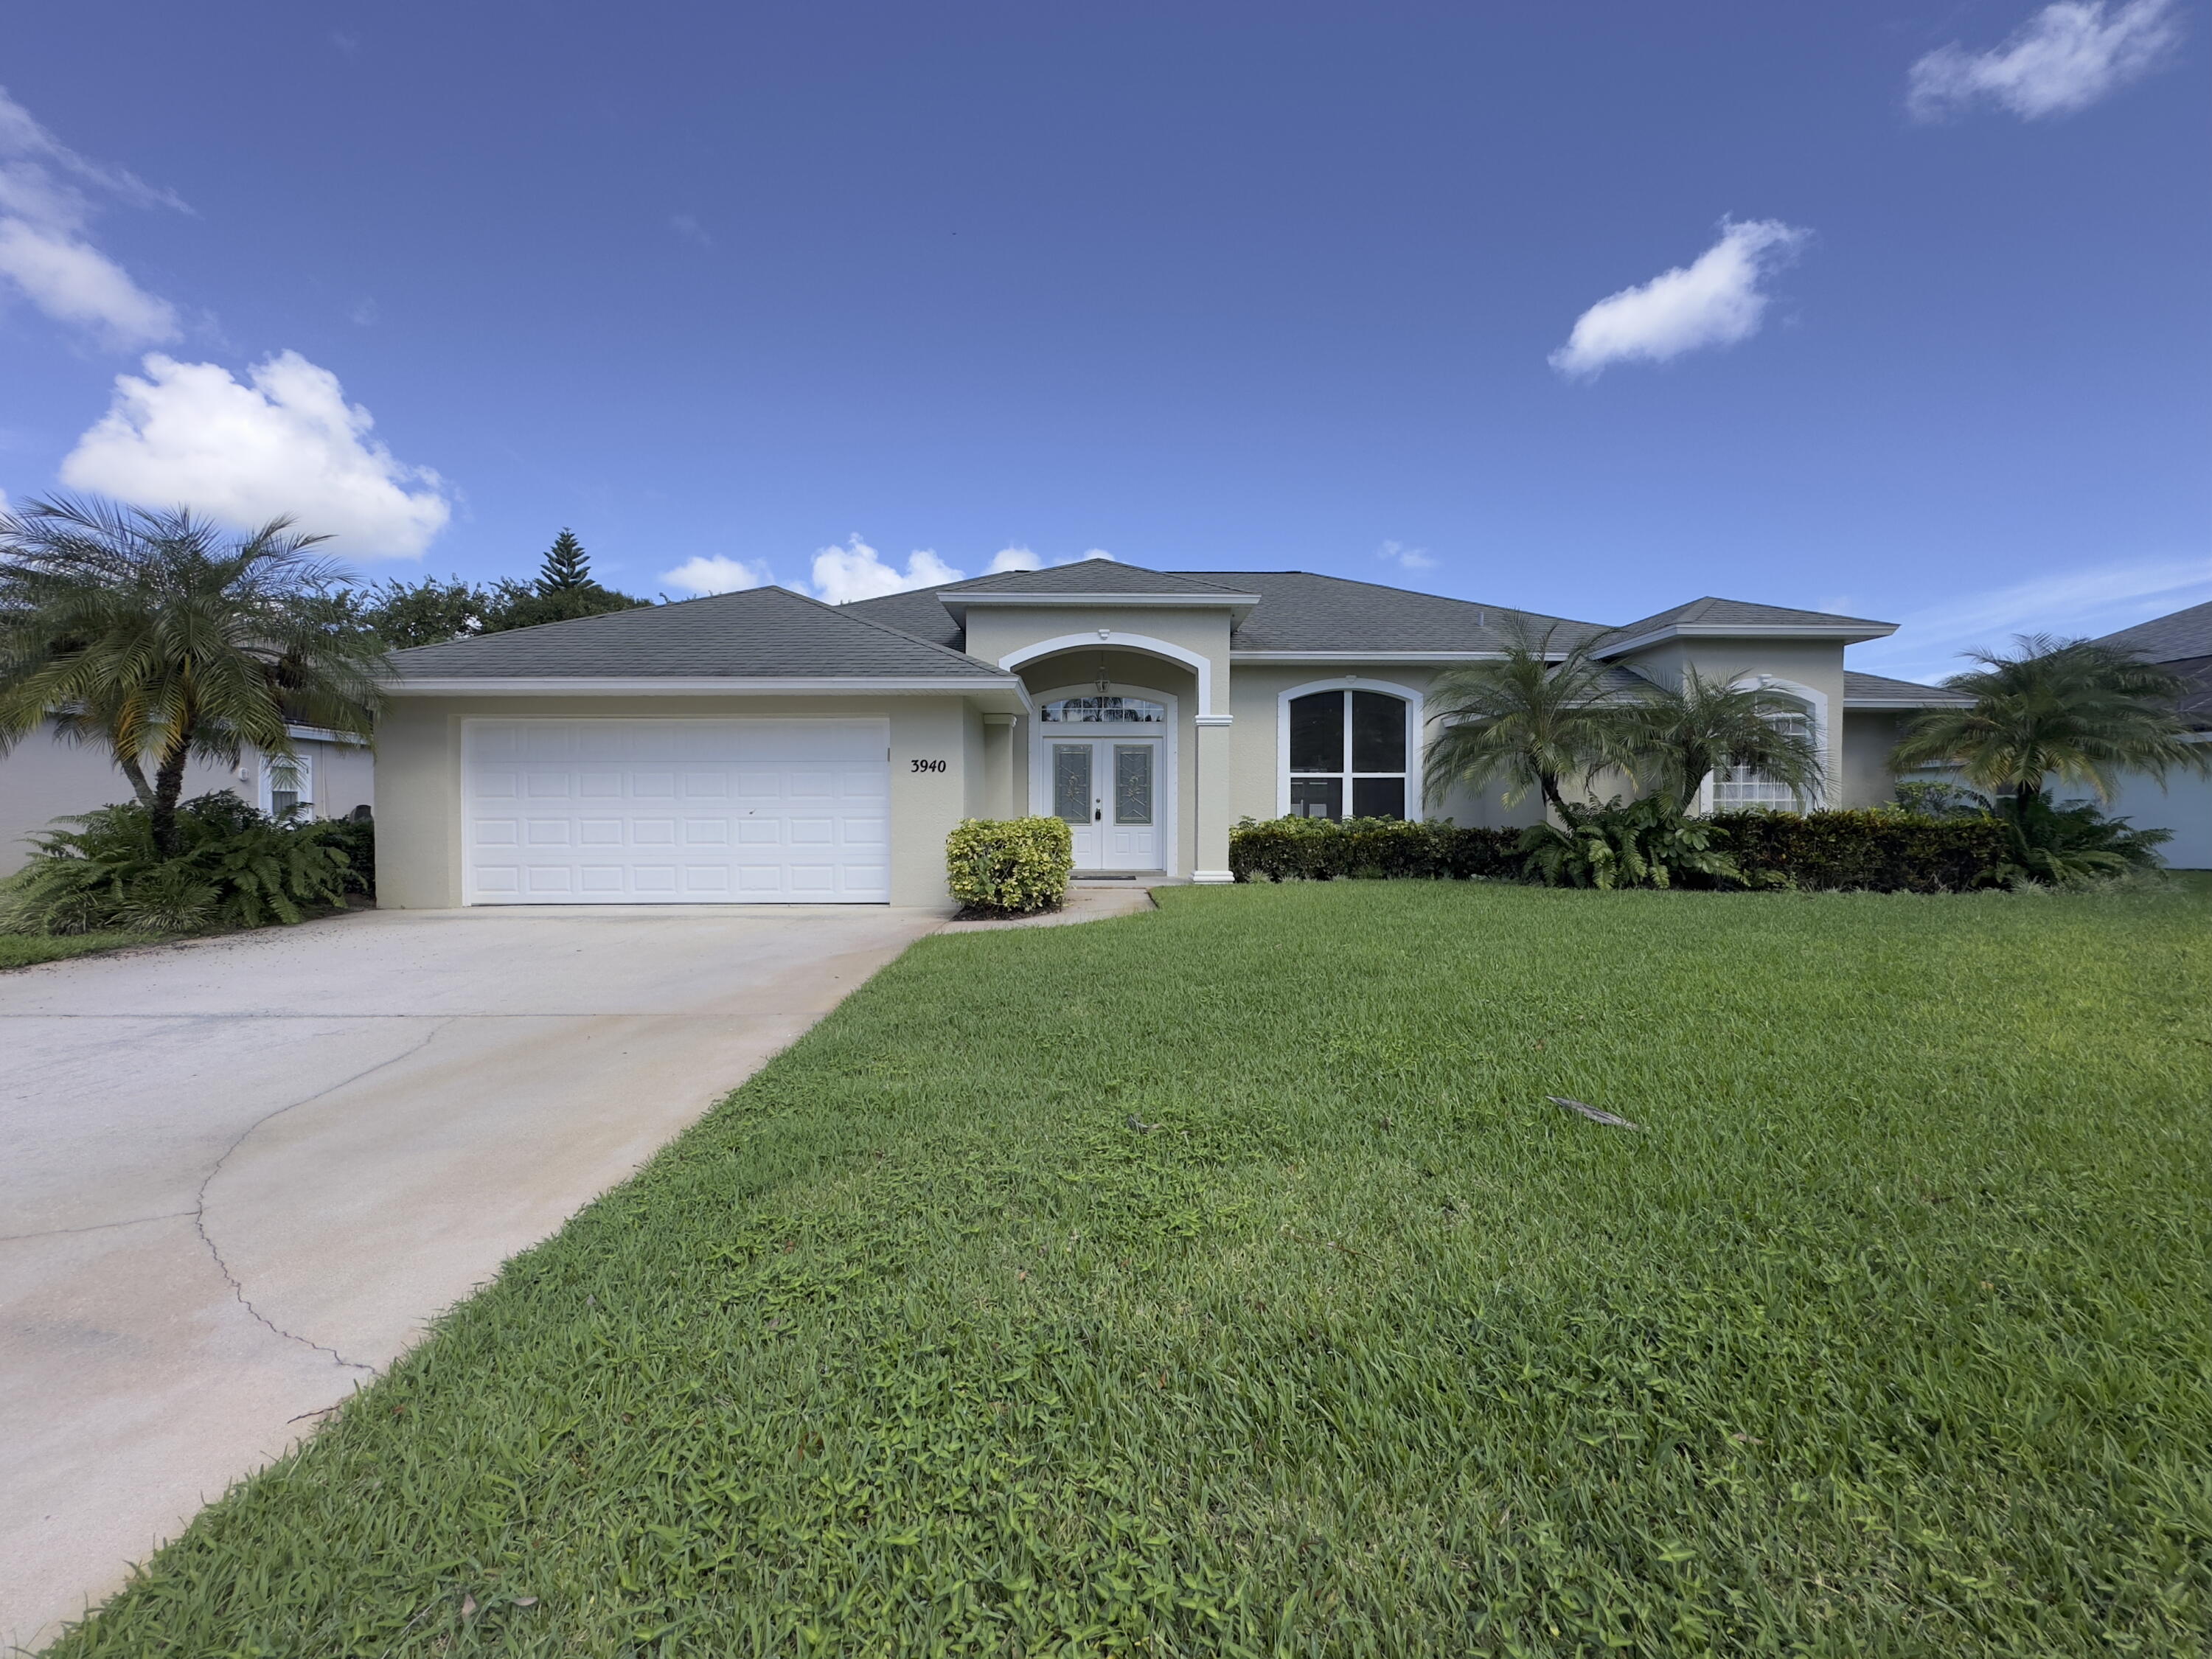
column 1533, row 718
column 2073, row 709
column 152, row 634
column 1686, row 731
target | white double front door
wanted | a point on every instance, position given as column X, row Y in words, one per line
column 1109, row 791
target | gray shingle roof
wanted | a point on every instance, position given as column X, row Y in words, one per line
column 1093, row 576
column 2171, row 638
column 1301, row 611
column 761, row 632
column 1880, row 688
column 1710, row 612
column 1297, row 611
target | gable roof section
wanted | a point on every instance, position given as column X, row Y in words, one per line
column 1302, row 613
column 2175, row 637
column 1298, row 613
column 1879, row 691
column 759, row 633
column 1711, row 616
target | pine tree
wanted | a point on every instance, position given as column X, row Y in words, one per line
column 566, row 568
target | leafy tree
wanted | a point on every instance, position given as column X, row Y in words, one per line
column 517, row 605
column 1528, row 720
column 156, row 636
column 566, row 566
column 427, row 612
column 1686, row 731
column 2071, row 710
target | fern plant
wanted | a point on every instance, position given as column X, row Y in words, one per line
column 1642, row 843
column 235, row 867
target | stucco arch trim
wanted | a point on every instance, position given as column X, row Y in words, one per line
column 1115, row 639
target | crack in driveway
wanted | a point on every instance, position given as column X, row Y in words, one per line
column 198, row 1212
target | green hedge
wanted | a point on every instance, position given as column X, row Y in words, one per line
column 1320, row 849
column 1882, row 852
column 1879, row 852
column 1009, row 866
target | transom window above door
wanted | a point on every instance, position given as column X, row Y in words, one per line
column 1348, row 751
column 1105, row 710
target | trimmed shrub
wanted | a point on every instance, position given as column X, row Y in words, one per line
column 1879, row 852
column 239, row 868
column 1009, row 866
column 1374, row 849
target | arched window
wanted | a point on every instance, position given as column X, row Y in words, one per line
column 1734, row 788
column 1105, row 710
column 1348, row 754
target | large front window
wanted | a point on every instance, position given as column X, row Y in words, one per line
column 1348, row 755
column 1738, row 787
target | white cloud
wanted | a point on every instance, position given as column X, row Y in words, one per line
column 45, row 251
column 287, row 443
column 854, row 571
column 2061, row 60
column 1714, row 302
column 2074, row 604
column 1013, row 558
column 687, row 226
column 715, row 574
column 1411, row 558
column 1099, row 553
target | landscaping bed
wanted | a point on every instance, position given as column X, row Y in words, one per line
column 1222, row 1281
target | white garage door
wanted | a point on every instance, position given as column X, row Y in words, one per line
column 676, row 811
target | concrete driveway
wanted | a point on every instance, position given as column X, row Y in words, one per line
column 239, row 1175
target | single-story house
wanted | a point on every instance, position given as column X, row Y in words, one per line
column 761, row 746
column 43, row 780
column 2181, row 642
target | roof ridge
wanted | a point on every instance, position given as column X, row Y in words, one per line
column 1072, row 564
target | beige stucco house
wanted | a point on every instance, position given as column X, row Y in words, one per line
column 761, row 746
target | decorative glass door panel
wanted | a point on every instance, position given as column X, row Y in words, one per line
column 1133, row 841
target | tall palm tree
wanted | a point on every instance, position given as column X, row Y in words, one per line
column 1686, row 731
column 2073, row 709
column 154, row 635
column 1538, row 716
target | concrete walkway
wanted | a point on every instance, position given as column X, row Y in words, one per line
column 240, row 1175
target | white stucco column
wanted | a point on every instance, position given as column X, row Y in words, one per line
column 1211, row 824
column 997, row 792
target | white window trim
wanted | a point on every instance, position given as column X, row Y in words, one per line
column 1167, row 778
column 1113, row 639
column 1416, row 726
column 303, row 765
column 1816, row 707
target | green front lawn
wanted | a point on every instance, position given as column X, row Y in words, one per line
column 21, row 950
column 1890, row 1332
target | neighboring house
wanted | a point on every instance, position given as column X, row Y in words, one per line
column 2181, row 642
column 43, row 780
column 760, row 746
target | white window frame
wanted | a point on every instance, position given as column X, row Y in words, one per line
column 302, row 765
column 1416, row 752
column 1816, row 717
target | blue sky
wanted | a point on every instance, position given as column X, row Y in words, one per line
column 1202, row 286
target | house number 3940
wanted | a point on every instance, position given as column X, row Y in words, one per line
column 927, row 765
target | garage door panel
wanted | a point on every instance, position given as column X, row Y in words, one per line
column 676, row 810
